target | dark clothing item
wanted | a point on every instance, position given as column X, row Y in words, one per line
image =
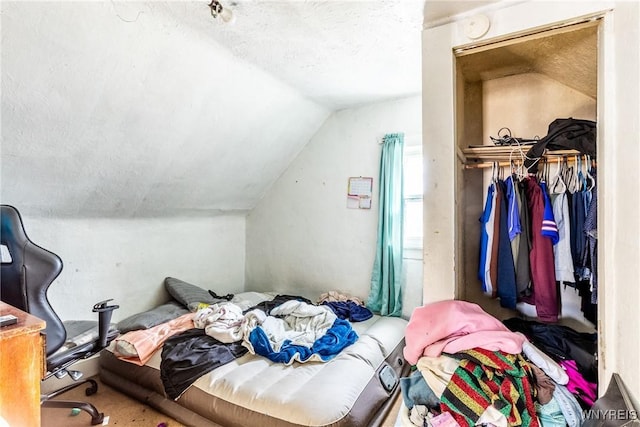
column 576, row 134
column 495, row 244
column 578, row 239
column 591, row 247
column 506, row 268
column 349, row 310
column 227, row 297
column 191, row 354
column 561, row 343
column 544, row 385
column 589, row 309
column 543, row 270
column 523, row 272
column 267, row 306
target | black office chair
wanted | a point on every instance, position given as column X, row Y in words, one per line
column 26, row 274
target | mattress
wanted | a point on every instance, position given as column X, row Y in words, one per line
column 356, row 388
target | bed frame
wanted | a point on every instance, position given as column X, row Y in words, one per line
column 360, row 385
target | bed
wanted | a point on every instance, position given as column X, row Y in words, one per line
column 356, row 387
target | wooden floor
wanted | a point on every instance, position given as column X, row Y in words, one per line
column 123, row 411
column 120, row 409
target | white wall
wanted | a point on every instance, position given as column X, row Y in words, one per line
column 125, row 109
column 128, row 259
column 618, row 159
column 301, row 237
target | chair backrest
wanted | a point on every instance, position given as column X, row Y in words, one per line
column 25, row 278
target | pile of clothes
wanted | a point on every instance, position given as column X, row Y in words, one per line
column 283, row 328
column 481, row 371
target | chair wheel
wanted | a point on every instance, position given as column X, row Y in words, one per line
column 92, row 388
column 97, row 420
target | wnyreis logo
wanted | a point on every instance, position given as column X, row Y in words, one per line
column 610, row 414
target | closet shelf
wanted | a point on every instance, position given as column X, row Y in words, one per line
column 481, row 156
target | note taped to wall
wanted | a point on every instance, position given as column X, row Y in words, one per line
column 359, row 192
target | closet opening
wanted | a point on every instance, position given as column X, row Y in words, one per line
column 517, row 87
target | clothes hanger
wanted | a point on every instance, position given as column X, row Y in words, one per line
column 590, row 179
column 521, row 156
column 540, row 175
column 569, row 176
column 557, row 184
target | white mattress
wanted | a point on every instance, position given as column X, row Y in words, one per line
column 313, row 394
column 309, row 394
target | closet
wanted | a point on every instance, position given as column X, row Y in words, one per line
column 522, row 83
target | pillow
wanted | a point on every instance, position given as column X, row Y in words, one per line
column 191, row 296
column 153, row 317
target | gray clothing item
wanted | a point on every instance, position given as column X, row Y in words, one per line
column 562, row 250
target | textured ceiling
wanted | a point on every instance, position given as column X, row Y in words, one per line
column 130, row 109
column 338, row 53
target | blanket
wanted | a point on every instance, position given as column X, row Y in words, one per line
column 301, row 332
column 222, row 321
column 452, row 326
column 485, row 378
column 325, row 348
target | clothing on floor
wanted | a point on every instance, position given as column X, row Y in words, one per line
column 484, row 378
column 454, row 326
column 437, row 371
column 561, row 343
column 416, row 391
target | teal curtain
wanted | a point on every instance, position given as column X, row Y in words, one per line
column 385, row 296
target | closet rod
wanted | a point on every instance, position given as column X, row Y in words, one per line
column 505, row 163
column 492, row 152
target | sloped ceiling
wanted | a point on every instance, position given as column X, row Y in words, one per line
column 142, row 109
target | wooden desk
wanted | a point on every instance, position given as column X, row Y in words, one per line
column 22, row 367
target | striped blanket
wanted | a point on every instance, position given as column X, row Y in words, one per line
column 491, row 378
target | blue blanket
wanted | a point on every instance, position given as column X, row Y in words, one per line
column 325, row 348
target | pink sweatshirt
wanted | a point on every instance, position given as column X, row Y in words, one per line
column 451, row 326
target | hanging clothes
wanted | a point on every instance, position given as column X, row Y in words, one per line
column 513, row 214
column 495, row 244
column 506, row 269
column 523, row 268
column 549, row 226
column 562, row 249
column 486, row 241
column 589, row 288
column 545, row 294
column 577, row 235
column 591, row 251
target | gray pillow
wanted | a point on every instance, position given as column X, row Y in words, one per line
column 153, row 317
column 191, row 296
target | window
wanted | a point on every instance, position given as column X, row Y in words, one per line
column 413, row 220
